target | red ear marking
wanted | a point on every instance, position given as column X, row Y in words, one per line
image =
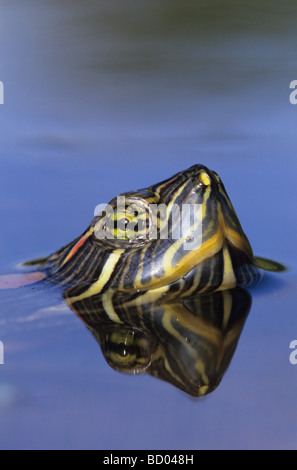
column 13, row 281
column 77, row 246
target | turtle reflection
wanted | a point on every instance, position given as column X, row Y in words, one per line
column 187, row 342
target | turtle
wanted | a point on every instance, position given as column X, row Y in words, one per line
column 180, row 235
column 187, row 342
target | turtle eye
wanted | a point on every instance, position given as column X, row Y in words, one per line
column 129, row 223
column 127, row 350
column 123, row 223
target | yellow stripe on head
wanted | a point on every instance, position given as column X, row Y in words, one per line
column 104, row 277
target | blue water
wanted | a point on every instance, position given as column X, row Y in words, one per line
column 104, row 97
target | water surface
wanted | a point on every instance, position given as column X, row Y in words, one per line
column 105, row 97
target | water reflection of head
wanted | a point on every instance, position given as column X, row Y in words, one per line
column 188, row 343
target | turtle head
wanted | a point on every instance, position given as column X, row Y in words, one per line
column 165, row 231
column 181, row 233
